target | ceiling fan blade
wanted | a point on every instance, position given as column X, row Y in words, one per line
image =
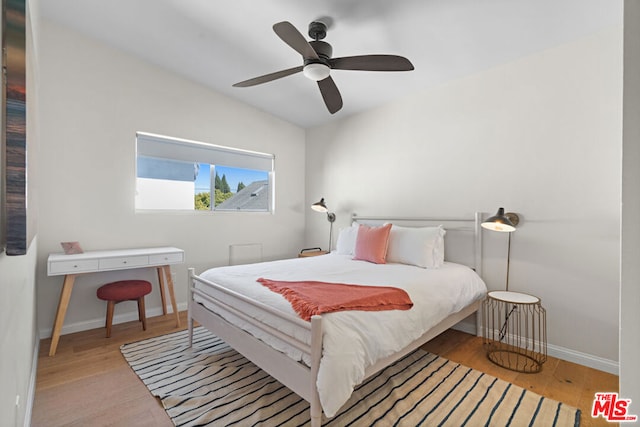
column 291, row 36
column 372, row 63
column 269, row 77
column 330, row 94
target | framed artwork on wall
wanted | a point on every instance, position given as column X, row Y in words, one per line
column 13, row 155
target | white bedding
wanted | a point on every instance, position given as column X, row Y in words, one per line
column 354, row 340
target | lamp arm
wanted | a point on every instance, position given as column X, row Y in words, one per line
column 331, row 217
column 508, row 261
column 330, row 235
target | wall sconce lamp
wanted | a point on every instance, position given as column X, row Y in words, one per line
column 321, row 206
column 505, row 223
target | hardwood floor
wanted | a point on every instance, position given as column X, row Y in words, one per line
column 88, row 383
column 567, row 382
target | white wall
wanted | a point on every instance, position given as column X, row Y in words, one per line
column 540, row 137
column 93, row 100
column 630, row 291
column 18, row 336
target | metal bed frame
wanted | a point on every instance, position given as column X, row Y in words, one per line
column 298, row 377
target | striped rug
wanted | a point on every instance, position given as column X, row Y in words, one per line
column 212, row 384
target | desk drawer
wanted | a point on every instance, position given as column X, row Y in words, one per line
column 72, row 267
column 124, row 262
column 163, row 259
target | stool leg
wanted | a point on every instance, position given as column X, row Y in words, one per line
column 142, row 316
column 110, row 307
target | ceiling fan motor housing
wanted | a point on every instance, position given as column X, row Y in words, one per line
column 318, row 68
column 324, row 51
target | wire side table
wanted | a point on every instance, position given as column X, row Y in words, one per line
column 515, row 331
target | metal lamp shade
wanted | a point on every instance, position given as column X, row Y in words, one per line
column 502, row 222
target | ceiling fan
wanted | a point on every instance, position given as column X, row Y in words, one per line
column 318, row 63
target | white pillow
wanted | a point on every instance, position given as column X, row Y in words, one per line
column 346, row 244
column 419, row 246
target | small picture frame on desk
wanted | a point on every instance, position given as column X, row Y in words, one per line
column 71, row 248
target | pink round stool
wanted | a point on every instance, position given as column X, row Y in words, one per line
column 124, row 290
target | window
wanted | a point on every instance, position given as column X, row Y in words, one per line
column 176, row 174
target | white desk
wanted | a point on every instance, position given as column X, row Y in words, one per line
column 121, row 259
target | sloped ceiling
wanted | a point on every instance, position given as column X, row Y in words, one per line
column 218, row 43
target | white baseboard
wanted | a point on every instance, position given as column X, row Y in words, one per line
column 467, row 327
column 99, row 322
column 595, row 362
column 591, row 361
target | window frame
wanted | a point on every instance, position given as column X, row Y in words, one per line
column 185, row 150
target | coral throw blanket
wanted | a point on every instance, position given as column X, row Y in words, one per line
column 308, row 298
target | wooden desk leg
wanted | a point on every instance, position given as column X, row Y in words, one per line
column 63, row 304
column 166, row 269
column 161, row 283
column 172, row 295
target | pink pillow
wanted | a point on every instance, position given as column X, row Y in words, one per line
column 372, row 243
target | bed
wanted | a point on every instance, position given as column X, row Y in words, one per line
column 323, row 359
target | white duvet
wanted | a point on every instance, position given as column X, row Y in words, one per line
column 355, row 340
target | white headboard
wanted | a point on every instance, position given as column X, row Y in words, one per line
column 462, row 242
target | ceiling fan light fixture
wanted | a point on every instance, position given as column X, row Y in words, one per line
column 316, row 71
